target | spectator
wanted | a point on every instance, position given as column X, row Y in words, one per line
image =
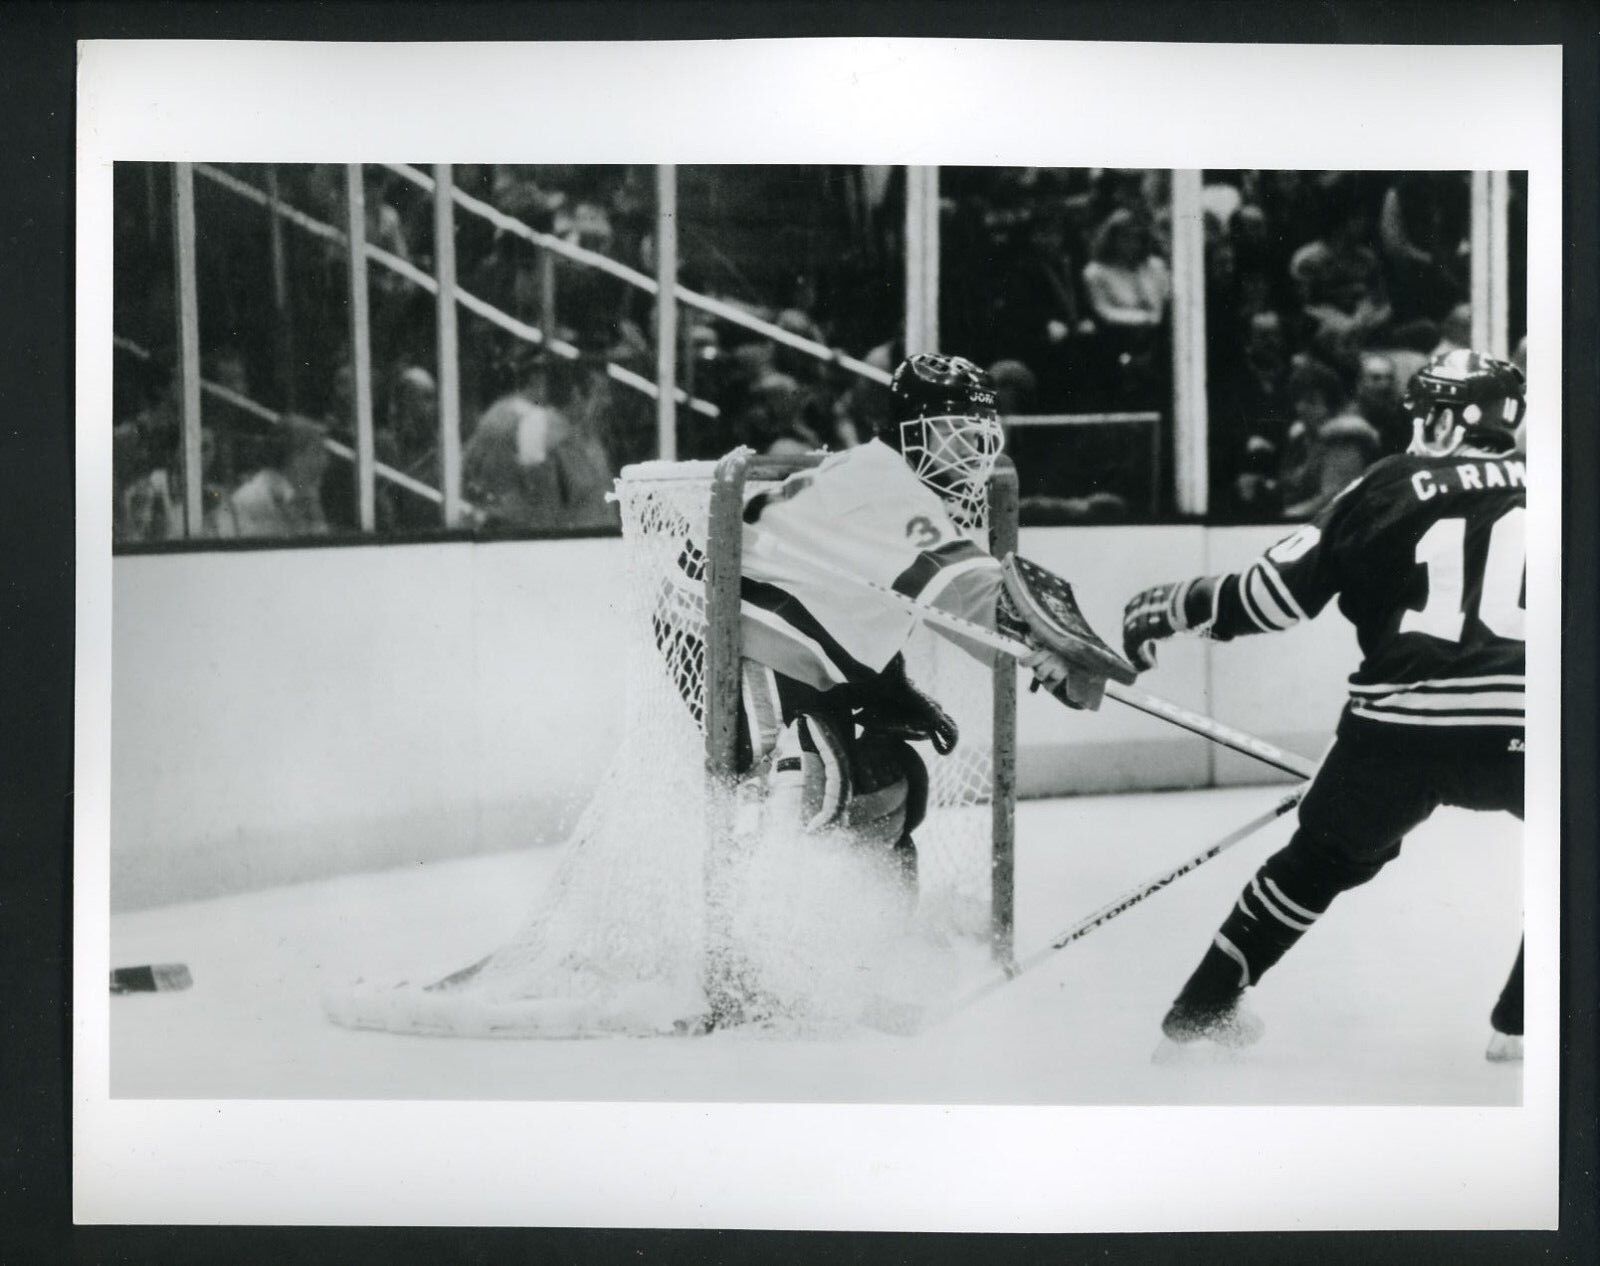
column 1037, row 313
column 1340, row 449
column 1455, row 331
column 127, row 459
column 1378, row 401
column 593, row 443
column 284, row 497
column 408, row 440
column 1339, row 279
column 1222, row 201
column 1264, row 396
column 150, row 483
column 1410, row 348
column 1129, row 284
column 771, row 422
column 863, row 408
column 1015, row 388
column 1325, row 448
column 1256, row 491
column 238, row 443
column 533, row 465
column 592, row 301
column 1423, row 228
column 517, row 190
column 1295, row 202
column 815, row 405
column 1252, row 417
column 1259, row 264
column 1129, row 287
column 505, row 469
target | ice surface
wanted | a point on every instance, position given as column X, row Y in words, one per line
column 1385, row 1002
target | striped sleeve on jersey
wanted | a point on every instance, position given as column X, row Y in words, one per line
column 959, row 577
column 1288, row 584
column 1266, row 599
column 1256, row 600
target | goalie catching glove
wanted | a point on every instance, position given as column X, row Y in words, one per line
column 1038, row 607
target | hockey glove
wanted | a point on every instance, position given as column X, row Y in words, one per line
column 1039, row 608
column 1155, row 614
column 905, row 712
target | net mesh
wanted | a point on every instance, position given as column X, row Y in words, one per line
column 818, row 931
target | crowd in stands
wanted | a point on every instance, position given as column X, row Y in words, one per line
column 1324, row 292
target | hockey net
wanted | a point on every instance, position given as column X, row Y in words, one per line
column 673, row 877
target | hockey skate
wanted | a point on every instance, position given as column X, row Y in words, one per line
column 1505, row 1021
column 1211, row 1028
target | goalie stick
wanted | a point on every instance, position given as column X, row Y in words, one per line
column 1152, row 705
column 938, row 1015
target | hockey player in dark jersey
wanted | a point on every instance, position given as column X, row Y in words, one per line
column 1425, row 555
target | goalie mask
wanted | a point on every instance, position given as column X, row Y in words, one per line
column 943, row 421
column 1461, row 398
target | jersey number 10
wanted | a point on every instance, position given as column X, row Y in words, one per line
column 1442, row 550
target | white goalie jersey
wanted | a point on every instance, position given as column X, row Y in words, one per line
column 861, row 513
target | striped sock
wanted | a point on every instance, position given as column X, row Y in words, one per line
column 1260, row 929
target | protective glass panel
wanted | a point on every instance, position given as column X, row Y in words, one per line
column 798, row 262
column 557, row 350
column 145, row 463
column 1058, row 281
column 1325, row 292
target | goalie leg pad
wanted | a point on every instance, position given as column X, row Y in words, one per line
column 1039, row 607
column 874, row 786
column 810, row 782
column 890, row 785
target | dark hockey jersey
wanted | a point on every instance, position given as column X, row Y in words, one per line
column 1426, row 558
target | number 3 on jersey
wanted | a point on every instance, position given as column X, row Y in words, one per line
column 1442, row 550
column 923, row 533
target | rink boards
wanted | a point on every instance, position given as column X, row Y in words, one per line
column 280, row 715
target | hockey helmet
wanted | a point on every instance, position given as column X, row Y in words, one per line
column 943, row 421
column 1465, row 397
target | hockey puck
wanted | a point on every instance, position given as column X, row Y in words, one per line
column 156, row 978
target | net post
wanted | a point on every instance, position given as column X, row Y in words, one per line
column 1003, row 777
column 724, row 549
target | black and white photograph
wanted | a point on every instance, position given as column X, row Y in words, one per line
column 1013, row 630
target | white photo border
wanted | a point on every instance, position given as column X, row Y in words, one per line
column 793, row 1166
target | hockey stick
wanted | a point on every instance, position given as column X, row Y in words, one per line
column 1104, row 915
column 1164, row 709
column 1208, row 728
